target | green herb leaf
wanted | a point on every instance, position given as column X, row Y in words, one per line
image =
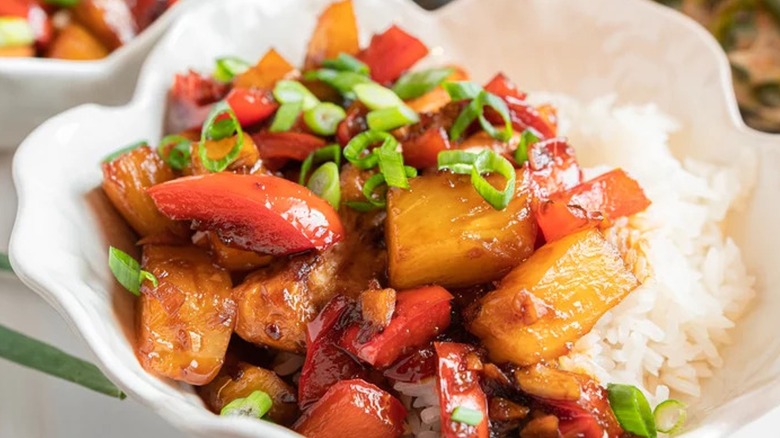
column 286, row 116
column 527, row 139
column 631, row 410
column 255, row 405
column 178, row 156
column 465, row 415
column 415, row 84
column 15, row 31
column 324, row 118
column 293, row 91
column 116, row 154
column 345, row 62
column 127, row 271
column 229, row 67
column 325, row 183
column 37, row 355
column 225, row 128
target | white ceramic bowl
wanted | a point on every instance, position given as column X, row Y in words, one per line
column 34, row 89
column 641, row 51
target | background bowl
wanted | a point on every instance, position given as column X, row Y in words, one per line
column 634, row 48
column 34, row 89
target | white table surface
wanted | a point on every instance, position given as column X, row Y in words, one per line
column 33, row 405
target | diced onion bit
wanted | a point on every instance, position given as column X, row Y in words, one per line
column 324, row 118
column 387, row 119
column 631, row 410
column 127, row 271
column 465, row 415
column 229, row 67
column 325, row 183
column 286, row 116
column 415, row 84
column 215, row 128
column 475, row 110
column 293, row 91
column 346, row 62
column 670, row 416
column 477, row 165
column 342, row 81
column 527, row 139
column 116, row 154
column 321, row 155
column 255, row 405
column 375, row 96
column 178, row 155
column 15, row 31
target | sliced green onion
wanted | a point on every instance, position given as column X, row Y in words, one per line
column 376, row 181
column 15, row 31
column 465, row 415
column 527, row 139
column 324, row 118
column 286, row 91
column 490, row 162
column 230, row 67
column 210, row 133
column 62, row 3
column 342, row 81
column 475, row 110
column 323, row 154
column 353, row 151
column 495, row 102
column 255, row 405
column 387, row 119
column 415, row 84
column 31, row 353
column 462, row 90
column 456, row 161
column 127, row 271
column 325, row 183
column 631, row 410
column 362, row 206
column 116, row 154
column 670, row 416
column 5, row 263
column 178, row 156
column 470, row 113
column 391, row 165
column 375, row 96
column 345, row 62
column 286, row 116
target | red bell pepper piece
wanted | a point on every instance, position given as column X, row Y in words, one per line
column 420, row 315
column 353, row 408
column 423, row 151
column 501, row 86
column 414, row 367
column 392, row 53
column 251, row 105
column 553, row 167
column 609, row 196
column 36, row 16
column 260, row 213
column 146, row 11
column 459, row 387
column 525, row 115
column 589, row 417
column 286, row 145
column 326, row 363
column 190, row 100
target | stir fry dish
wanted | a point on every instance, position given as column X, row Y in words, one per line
column 361, row 245
column 78, row 30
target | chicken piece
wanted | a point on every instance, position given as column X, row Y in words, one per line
column 441, row 231
column 186, row 321
column 75, row 43
column 336, row 33
column 111, row 21
column 546, row 304
column 125, row 180
column 245, row 379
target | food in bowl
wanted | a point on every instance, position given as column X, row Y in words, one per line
column 73, row 29
column 362, row 246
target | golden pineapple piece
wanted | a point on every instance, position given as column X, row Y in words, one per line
column 435, row 99
column 271, row 68
column 234, row 259
column 245, row 379
column 111, row 21
column 441, row 231
column 75, row 43
column 545, row 382
column 186, row 321
column 377, row 306
column 246, row 160
column 125, row 180
column 552, row 299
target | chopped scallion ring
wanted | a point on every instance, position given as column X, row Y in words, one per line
column 286, row 91
column 178, row 155
column 354, row 150
column 342, row 81
column 415, row 84
column 361, row 206
column 490, row 162
column 255, row 405
column 324, row 118
column 325, row 183
column 325, row 153
column 456, row 161
column 670, row 416
column 462, row 90
column 495, row 102
column 387, row 119
column 631, row 410
column 346, row 62
column 470, row 113
column 527, row 139
column 226, row 127
column 475, row 110
column 229, row 67
column 127, row 271
column 15, row 31
column 286, row 116
column 376, row 181
column 375, row 96
column 116, row 154
column 391, row 165
column 465, row 415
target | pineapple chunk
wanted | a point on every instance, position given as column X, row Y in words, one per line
column 441, row 231
column 552, row 299
column 186, row 321
column 271, row 68
column 75, row 43
column 233, row 259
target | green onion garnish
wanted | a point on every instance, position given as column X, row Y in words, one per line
column 218, row 130
column 342, row 81
column 62, row 3
column 415, row 84
column 456, row 161
column 462, row 90
column 321, row 155
column 631, row 410
column 325, row 183
column 31, row 353
column 178, row 156
column 354, row 150
column 476, row 165
column 116, row 154
column 464, row 119
column 375, row 96
column 293, row 91
column 387, row 119
column 15, row 31
column 527, row 139
column 230, row 67
column 465, row 415
column 324, row 118
column 374, row 183
column 345, row 62
column 498, row 104
column 255, row 405
column 475, row 110
column 5, row 263
column 127, row 271
column 670, row 416
column 286, row 116
column 391, row 165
